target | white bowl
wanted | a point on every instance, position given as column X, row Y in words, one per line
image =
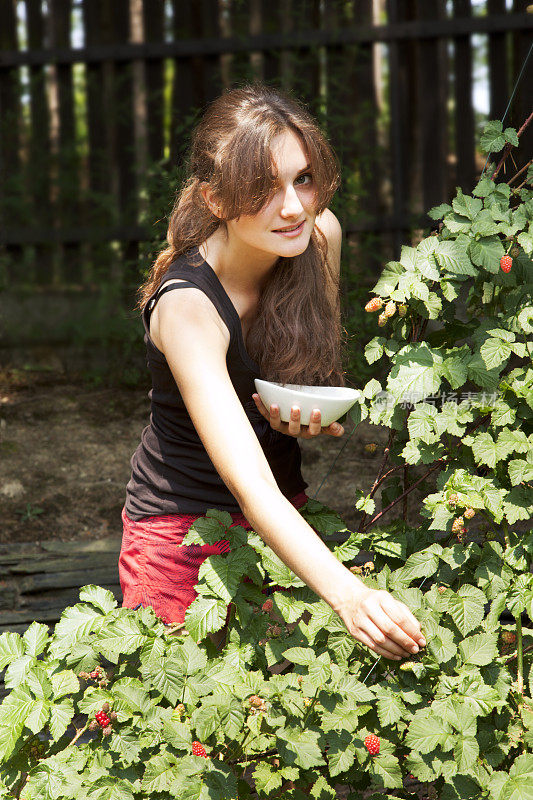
column 333, row 401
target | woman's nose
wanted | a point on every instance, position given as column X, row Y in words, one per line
column 291, row 203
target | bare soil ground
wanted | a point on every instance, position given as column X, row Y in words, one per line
column 65, row 453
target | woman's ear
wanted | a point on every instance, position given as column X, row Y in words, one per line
column 210, row 200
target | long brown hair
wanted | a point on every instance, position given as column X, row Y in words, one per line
column 296, row 336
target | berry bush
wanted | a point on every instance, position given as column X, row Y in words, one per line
column 112, row 704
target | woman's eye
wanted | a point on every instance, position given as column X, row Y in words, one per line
column 305, row 175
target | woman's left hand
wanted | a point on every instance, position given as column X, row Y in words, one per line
column 294, row 428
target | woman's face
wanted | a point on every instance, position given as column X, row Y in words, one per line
column 293, row 203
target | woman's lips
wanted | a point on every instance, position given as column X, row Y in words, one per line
column 291, row 234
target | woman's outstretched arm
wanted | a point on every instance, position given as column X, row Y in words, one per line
column 195, row 342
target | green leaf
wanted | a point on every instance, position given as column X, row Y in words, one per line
column 519, row 784
column 467, row 608
column 300, row 747
column 266, row 778
column 480, row 649
column 492, row 139
column 426, row 732
column 388, row 279
column 453, row 257
column 416, row 372
column 205, row 615
column 223, row 573
column 437, row 212
column 166, row 677
column 387, row 767
column 374, row 349
column 35, row 639
column 340, row 752
column 121, row 637
column 442, row 646
column 61, row 715
column 390, row 709
column 103, row 599
column 64, row 682
column 11, row 648
column 466, row 752
column 494, row 352
column 422, row 564
column 465, row 205
column 486, row 252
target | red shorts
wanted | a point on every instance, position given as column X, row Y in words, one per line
column 157, row 570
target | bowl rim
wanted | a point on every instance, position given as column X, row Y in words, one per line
column 357, row 393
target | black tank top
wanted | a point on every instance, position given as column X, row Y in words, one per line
column 171, row 472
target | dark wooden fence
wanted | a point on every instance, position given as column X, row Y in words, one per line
column 97, row 95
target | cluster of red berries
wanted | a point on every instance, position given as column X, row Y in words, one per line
column 199, row 750
column 372, row 744
column 103, row 719
column 267, row 606
column 97, row 674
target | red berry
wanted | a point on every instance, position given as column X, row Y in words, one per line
column 199, row 750
column 372, row 744
column 267, row 605
column 506, row 262
column 508, row 637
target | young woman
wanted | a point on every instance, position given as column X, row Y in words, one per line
column 255, row 253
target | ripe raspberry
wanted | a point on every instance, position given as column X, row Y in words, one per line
column 102, row 719
column 374, row 304
column 382, row 320
column 199, row 750
column 457, row 525
column 508, row 637
column 469, row 513
column 267, row 606
column 506, row 262
column 390, row 309
column 441, row 589
column 372, row 744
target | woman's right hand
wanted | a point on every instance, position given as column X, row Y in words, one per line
column 375, row 618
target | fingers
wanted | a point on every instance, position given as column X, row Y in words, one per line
column 405, row 621
column 380, row 639
column 388, row 633
column 294, row 426
column 376, row 648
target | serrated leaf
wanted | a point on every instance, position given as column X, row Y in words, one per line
column 300, row 747
column 480, row 649
column 387, row 768
column 467, row 608
column 426, row 732
column 11, row 648
column 99, row 597
column 205, row 615
column 486, row 252
column 266, row 778
column 61, row 715
column 35, row 638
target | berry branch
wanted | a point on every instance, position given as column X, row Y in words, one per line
column 508, row 147
column 520, row 171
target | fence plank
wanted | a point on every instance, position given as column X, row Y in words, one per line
column 465, row 173
column 67, row 207
column 183, row 91
column 440, row 29
column 153, row 19
column 432, row 108
column 498, row 65
column 96, row 212
column 124, row 141
column 39, row 153
column 11, row 190
column 522, row 104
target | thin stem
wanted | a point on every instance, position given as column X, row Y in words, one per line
column 439, row 463
column 79, row 733
column 519, row 655
column 510, row 181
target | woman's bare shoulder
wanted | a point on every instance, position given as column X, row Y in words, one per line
column 330, row 226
